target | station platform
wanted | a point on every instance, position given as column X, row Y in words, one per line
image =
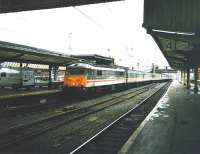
column 10, row 93
column 12, row 98
column 173, row 127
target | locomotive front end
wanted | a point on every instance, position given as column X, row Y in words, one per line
column 76, row 76
column 75, row 81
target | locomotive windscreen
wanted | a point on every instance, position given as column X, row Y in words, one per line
column 76, row 71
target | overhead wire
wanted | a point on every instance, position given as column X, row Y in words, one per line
column 88, row 17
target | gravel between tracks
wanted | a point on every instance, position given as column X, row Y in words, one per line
column 63, row 139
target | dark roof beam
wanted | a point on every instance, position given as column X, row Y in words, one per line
column 177, row 59
column 185, row 38
column 25, row 5
column 182, row 56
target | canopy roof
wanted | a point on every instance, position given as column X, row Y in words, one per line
column 175, row 27
column 98, row 59
column 25, row 5
column 20, row 53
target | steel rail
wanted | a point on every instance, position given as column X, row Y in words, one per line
column 92, row 139
column 23, row 129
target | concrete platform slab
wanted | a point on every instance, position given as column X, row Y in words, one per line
column 10, row 93
column 173, row 127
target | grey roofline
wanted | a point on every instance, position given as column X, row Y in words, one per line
column 22, row 50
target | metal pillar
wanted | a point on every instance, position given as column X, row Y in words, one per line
column 195, row 79
column 181, row 76
column 184, row 76
column 20, row 70
column 55, row 72
column 50, row 79
column 188, row 78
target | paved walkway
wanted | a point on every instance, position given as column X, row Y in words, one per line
column 10, row 93
column 172, row 128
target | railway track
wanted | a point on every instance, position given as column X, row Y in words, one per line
column 39, row 106
column 111, row 139
column 20, row 133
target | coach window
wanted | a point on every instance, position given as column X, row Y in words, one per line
column 3, row 74
column 110, row 74
column 89, row 73
column 99, row 73
column 121, row 74
column 107, row 74
column 117, row 74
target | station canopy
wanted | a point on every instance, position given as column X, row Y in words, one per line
column 25, row 54
column 97, row 59
column 25, row 5
column 175, row 27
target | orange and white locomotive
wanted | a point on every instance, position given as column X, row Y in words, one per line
column 87, row 76
column 81, row 75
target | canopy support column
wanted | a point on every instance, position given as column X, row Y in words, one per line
column 21, row 76
column 188, row 78
column 55, row 72
column 184, row 77
column 181, row 76
column 50, row 79
column 195, row 79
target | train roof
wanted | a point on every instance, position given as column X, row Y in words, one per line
column 89, row 66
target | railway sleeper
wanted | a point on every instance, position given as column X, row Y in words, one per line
column 106, row 144
column 115, row 134
column 120, row 136
column 124, row 128
column 100, row 150
column 136, row 116
column 111, row 139
column 130, row 123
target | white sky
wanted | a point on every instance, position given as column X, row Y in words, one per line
column 110, row 29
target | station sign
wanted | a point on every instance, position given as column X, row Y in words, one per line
column 168, row 44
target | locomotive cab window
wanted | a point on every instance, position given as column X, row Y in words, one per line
column 76, row 71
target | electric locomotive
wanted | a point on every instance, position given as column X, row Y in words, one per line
column 87, row 76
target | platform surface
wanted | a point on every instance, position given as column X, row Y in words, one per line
column 173, row 127
column 11, row 93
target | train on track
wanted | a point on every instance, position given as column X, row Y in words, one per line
column 27, row 79
column 88, row 76
column 12, row 78
column 82, row 76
